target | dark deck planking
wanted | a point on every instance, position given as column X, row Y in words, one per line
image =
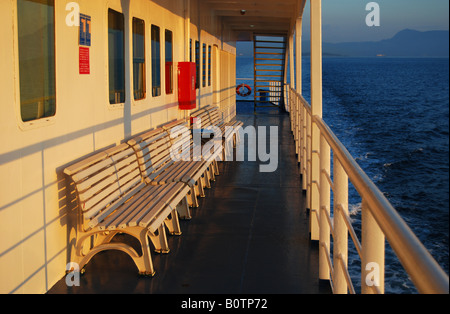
column 249, row 235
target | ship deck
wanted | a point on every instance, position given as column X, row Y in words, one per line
column 249, row 235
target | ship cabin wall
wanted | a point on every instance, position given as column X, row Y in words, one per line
column 37, row 204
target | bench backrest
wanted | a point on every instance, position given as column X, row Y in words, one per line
column 104, row 181
column 153, row 152
column 210, row 116
column 180, row 138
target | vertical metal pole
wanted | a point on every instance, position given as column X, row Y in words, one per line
column 291, row 58
column 285, row 87
column 293, row 110
column 324, row 270
column 308, row 160
column 373, row 248
column 297, row 122
column 340, row 239
column 298, row 55
column 187, row 37
column 304, row 140
column 316, row 109
column 298, row 75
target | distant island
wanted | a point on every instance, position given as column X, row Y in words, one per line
column 406, row 43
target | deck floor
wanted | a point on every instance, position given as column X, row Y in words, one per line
column 249, row 236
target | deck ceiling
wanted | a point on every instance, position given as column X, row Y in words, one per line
column 261, row 16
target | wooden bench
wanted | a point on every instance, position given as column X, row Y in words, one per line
column 160, row 163
column 113, row 198
column 211, row 116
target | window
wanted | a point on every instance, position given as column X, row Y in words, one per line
column 138, row 59
column 169, row 61
column 156, row 61
column 209, row 65
column 36, row 32
column 197, row 63
column 116, row 57
column 204, row 66
column 190, row 50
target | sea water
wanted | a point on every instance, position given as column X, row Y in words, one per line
column 392, row 114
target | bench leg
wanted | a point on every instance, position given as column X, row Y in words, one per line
column 183, row 209
column 104, row 237
column 173, row 223
column 143, row 262
column 159, row 240
column 215, row 166
column 206, row 179
column 201, row 190
column 211, row 172
column 193, row 197
column 198, row 188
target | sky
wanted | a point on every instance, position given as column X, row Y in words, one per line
column 345, row 20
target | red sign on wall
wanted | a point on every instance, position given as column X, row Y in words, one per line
column 84, row 61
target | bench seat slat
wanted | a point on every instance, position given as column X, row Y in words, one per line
column 95, row 220
column 140, row 201
column 155, row 217
column 179, row 171
column 154, row 173
column 146, row 206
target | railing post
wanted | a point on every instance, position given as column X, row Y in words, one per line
column 298, row 85
column 316, row 110
column 297, row 115
column 299, row 129
column 291, row 109
column 340, row 239
column 315, row 180
column 373, row 248
column 324, row 269
column 297, row 150
column 298, row 55
column 303, row 146
column 308, row 161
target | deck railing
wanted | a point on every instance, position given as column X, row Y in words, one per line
column 379, row 220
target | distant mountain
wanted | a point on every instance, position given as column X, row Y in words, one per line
column 406, row 43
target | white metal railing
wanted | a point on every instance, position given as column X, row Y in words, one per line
column 379, row 220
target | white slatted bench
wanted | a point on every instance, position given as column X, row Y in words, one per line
column 181, row 139
column 211, row 116
column 158, row 166
column 113, row 199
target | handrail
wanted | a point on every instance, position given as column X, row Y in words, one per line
column 425, row 272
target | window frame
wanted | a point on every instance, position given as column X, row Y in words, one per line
column 190, row 50
column 204, row 74
column 209, row 65
column 118, row 103
column 45, row 120
column 144, row 77
column 197, row 64
column 157, row 92
column 169, row 89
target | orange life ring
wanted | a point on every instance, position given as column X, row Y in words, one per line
column 243, row 94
